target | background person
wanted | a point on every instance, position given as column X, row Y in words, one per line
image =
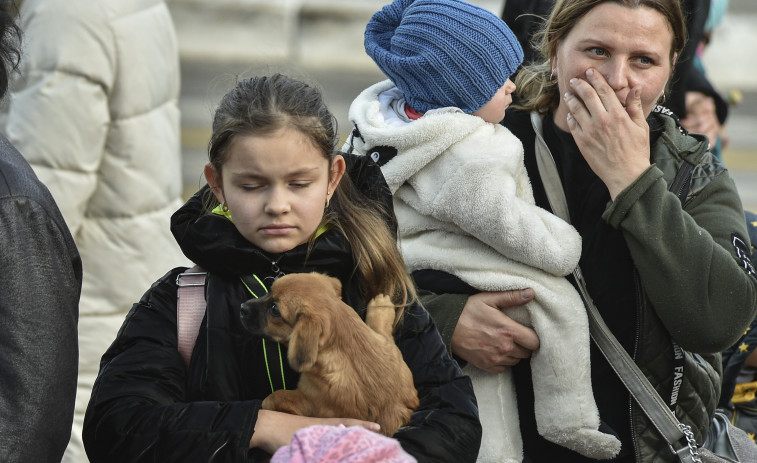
column 94, row 110
column 706, row 109
column 738, row 396
column 40, row 277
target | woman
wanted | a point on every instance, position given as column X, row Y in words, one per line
column 658, row 271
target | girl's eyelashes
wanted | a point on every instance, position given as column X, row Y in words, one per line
column 296, row 185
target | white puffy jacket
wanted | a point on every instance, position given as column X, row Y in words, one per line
column 95, row 112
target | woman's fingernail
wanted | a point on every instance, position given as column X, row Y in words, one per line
column 527, row 293
column 589, row 72
column 573, row 81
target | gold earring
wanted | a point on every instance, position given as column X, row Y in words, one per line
column 553, row 77
column 328, row 194
column 224, row 207
column 661, row 100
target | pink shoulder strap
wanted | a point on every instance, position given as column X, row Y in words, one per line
column 190, row 309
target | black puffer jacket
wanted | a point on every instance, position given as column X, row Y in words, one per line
column 146, row 406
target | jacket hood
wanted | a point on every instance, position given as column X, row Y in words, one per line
column 213, row 242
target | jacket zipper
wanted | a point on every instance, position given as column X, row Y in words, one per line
column 275, row 269
column 682, row 180
column 680, row 184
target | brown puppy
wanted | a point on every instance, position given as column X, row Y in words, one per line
column 349, row 369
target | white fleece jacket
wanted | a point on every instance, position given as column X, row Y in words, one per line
column 460, row 175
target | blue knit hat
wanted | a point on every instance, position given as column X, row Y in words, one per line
column 442, row 52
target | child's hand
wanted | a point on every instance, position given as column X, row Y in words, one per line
column 274, row 430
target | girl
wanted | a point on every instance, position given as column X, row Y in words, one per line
column 280, row 204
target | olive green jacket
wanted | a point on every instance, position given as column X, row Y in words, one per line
column 698, row 288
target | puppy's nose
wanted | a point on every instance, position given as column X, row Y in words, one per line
column 246, row 309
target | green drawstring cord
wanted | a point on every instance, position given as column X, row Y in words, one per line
column 321, row 229
column 281, row 365
column 268, row 368
column 265, row 351
column 250, row 290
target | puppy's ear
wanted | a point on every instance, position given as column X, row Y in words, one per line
column 303, row 345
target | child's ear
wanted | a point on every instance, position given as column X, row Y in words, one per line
column 214, row 180
column 336, row 172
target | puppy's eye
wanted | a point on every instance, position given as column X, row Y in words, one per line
column 273, row 309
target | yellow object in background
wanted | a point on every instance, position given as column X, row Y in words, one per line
column 744, row 392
